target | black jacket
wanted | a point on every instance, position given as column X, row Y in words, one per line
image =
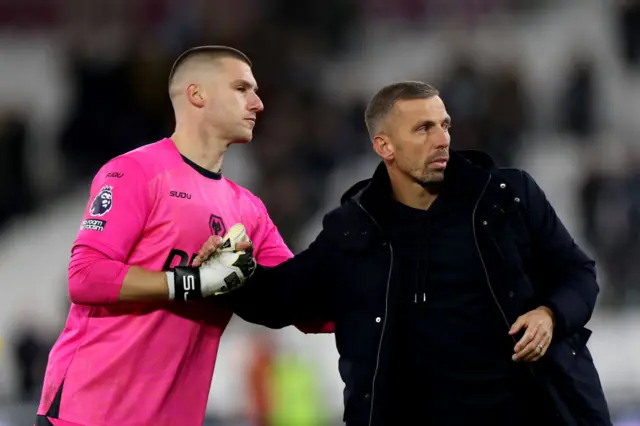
column 347, row 276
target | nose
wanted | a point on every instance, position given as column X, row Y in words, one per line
column 444, row 139
column 255, row 104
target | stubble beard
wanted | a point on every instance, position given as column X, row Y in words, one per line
column 432, row 181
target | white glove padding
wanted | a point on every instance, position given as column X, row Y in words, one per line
column 237, row 234
column 221, row 273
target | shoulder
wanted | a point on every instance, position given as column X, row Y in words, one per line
column 513, row 175
column 522, row 181
column 130, row 175
column 533, row 199
column 252, row 211
column 245, row 198
column 343, row 219
column 242, row 192
column 143, row 163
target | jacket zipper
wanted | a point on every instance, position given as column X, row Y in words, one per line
column 484, row 267
column 386, row 303
column 384, row 321
column 486, row 273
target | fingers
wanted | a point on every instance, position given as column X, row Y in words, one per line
column 244, row 246
column 536, row 347
column 527, row 344
column 527, row 336
column 247, row 265
column 541, row 349
column 207, row 250
column 518, row 325
column 212, row 244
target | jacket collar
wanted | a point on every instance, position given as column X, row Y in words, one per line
column 466, row 173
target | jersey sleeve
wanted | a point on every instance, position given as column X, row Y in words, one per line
column 270, row 248
column 117, row 211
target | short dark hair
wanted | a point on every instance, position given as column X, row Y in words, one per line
column 209, row 52
column 383, row 102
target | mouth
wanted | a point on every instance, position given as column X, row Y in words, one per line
column 440, row 162
column 251, row 119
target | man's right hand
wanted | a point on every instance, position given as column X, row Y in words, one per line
column 236, row 239
column 222, row 265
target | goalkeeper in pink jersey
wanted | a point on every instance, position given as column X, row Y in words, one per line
column 141, row 338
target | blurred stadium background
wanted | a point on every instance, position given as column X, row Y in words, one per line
column 552, row 86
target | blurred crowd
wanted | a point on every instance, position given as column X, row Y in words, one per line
column 610, row 193
column 118, row 54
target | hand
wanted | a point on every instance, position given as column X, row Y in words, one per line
column 208, row 248
column 233, row 253
column 235, row 240
column 225, row 268
column 534, row 343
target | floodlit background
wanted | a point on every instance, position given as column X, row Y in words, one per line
column 549, row 86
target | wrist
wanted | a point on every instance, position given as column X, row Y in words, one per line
column 171, row 285
column 183, row 283
column 550, row 313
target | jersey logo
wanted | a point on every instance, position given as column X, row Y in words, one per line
column 216, row 225
column 103, row 202
column 93, row 225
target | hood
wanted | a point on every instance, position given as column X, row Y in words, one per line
column 457, row 159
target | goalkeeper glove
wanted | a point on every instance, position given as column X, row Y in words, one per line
column 224, row 271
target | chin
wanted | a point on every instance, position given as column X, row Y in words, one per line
column 243, row 139
column 432, row 178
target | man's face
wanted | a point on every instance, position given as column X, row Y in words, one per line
column 232, row 104
column 417, row 134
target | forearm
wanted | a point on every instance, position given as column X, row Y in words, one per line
column 572, row 287
column 94, row 279
column 140, row 284
column 256, row 306
column 573, row 296
column 279, row 297
column 572, row 306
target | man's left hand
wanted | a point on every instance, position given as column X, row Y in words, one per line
column 537, row 337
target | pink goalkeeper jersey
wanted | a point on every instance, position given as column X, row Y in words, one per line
column 150, row 364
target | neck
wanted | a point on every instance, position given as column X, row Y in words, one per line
column 409, row 192
column 204, row 149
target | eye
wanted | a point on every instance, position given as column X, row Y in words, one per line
column 424, row 128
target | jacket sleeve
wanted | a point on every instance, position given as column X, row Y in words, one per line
column 271, row 250
column 298, row 291
column 574, row 288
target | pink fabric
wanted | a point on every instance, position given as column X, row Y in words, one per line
column 94, row 278
column 147, row 363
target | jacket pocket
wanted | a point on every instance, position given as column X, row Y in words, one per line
column 357, row 394
column 576, row 383
column 357, row 410
column 565, row 353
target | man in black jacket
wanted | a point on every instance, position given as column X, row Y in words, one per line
column 458, row 296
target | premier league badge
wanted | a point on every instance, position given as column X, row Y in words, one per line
column 103, row 202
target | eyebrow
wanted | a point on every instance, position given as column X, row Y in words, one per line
column 431, row 123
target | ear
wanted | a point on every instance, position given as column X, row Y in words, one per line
column 383, row 147
column 195, row 95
